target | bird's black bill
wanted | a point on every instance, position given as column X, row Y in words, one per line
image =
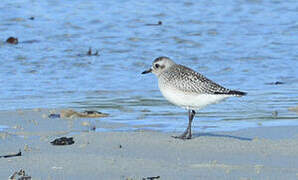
column 147, row 71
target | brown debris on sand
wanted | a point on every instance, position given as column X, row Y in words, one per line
column 86, row 114
column 294, row 109
column 54, row 116
column 151, row 178
column 63, row 141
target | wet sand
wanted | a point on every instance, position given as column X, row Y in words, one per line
column 255, row 153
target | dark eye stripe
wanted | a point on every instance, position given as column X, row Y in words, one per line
column 157, row 65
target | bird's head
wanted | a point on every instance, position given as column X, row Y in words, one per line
column 159, row 65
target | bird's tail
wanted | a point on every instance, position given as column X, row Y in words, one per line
column 237, row 93
column 233, row 93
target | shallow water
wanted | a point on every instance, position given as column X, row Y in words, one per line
column 243, row 44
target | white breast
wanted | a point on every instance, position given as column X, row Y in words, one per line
column 190, row 100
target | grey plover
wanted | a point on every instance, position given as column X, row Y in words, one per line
column 188, row 89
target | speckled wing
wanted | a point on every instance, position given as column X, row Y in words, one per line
column 187, row 80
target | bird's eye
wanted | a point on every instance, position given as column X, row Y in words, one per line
column 156, row 65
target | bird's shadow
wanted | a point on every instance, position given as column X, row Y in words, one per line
column 196, row 135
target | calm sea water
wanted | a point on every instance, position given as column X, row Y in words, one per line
column 241, row 44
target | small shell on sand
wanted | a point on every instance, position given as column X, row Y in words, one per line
column 4, row 135
column 27, row 148
column 85, row 123
column 258, row 168
column 37, row 109
column 87, row 114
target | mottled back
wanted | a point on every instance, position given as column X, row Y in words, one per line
column 187, row 80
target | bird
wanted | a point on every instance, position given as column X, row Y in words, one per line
column 187, row 88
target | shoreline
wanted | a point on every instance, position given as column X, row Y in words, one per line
column 252, row 153
column 104, row 125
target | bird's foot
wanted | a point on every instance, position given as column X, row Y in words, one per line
column 183, row 136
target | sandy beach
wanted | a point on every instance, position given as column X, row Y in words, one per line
column 255, row 153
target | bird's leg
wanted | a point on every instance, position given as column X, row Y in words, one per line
column 191, row 115
column 187, row 132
